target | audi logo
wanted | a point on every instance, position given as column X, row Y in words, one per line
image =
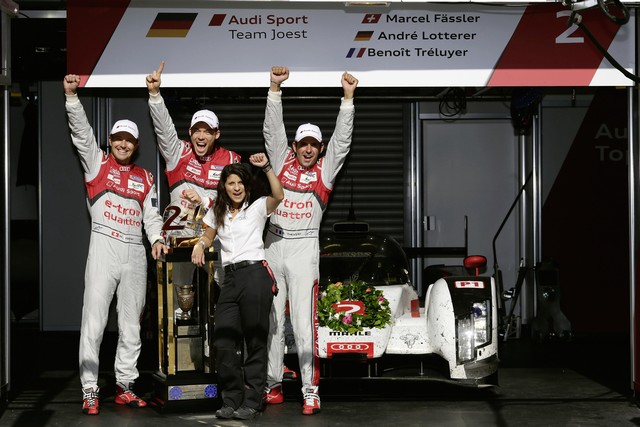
column 349, row 346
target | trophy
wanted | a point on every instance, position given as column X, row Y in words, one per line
column 185, row 300
column 182, row 224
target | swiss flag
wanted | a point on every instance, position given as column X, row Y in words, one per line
column 371, row 18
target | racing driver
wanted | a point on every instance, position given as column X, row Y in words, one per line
column 193, row 168
column 291, row 243
column 121, row 198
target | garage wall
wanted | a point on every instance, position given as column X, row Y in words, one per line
column 585, row 216
column 372, row 177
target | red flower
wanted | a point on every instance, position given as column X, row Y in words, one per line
column 347, row 319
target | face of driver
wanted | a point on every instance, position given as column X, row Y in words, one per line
column 123, row 145
column 307, row 151
column 203, row 138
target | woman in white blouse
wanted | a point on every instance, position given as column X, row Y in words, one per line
column 242, row 310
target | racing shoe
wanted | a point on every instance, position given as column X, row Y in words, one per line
column 126, row 396
column 91, row 401
column 273, row 395
column 311, row 404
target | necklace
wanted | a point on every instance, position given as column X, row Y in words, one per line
column 233, row 210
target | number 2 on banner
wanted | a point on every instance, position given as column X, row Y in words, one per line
column 565, row 38
column 172, row 222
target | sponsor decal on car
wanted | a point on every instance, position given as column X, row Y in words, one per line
column 350, row 347
column 365, row 333
column 349, row 307
column 469, row 284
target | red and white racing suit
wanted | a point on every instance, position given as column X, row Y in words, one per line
column 185, row 170
column 292, row 244
column 121, row 200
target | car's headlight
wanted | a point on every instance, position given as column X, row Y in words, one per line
column 473, row 330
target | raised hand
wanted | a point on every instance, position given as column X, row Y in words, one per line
column 349, row 84
column 259, row 159
column 278, row 75
column 154, row 79
column 71, row 83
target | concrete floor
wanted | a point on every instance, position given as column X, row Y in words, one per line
column 585, row 382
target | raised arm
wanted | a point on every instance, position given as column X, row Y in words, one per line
column 82, row 134
column 273, row 129
column 340, row 142
column 277, row 193
column 169, row 143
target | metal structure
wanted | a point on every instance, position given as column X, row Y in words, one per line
column 186, row 368
column 7, row 9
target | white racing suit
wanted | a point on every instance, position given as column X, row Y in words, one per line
column 121, row 199
column 292, row 244
column 187, row 171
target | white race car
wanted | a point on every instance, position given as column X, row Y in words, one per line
column 365, row 280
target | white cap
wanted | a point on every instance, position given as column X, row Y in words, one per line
column 205, row 116
column 308, row 130
column 125, row 126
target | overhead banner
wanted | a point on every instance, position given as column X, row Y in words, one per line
column 115, row 43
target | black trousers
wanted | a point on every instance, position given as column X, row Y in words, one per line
column 242, row 317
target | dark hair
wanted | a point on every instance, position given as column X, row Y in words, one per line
column 222, row 201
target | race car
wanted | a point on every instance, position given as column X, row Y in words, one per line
column 369, row 309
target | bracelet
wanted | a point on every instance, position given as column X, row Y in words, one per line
column 266, row 168
column 276, row 83
column 201, row 242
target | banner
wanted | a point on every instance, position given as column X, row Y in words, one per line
column 116, row 43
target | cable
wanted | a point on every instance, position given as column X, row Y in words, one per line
column 453, row 103
column 576, row 19
column 604, row 6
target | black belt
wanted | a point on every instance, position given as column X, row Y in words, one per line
column 239, row 265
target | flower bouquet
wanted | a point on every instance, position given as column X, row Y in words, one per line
column 352, row 306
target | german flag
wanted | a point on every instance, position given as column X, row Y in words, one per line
column 171, row 24
column 363, row 36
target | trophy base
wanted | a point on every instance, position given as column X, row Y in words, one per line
column 185, row 392
column 184, row 316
